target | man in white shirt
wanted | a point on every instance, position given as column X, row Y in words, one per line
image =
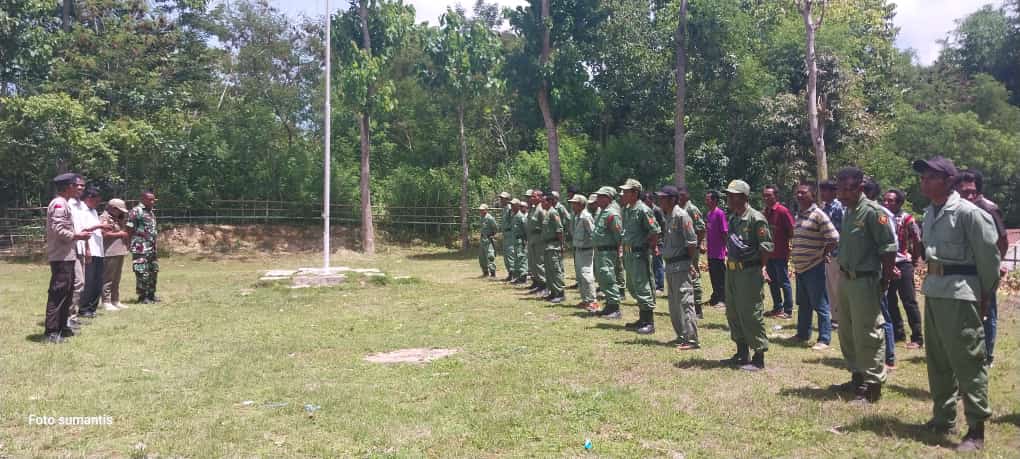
column 90, row 254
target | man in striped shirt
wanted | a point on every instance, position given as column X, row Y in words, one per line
column 814, row 238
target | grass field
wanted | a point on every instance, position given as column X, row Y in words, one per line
column 531, row 380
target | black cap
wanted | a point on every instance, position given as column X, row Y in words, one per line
column 66, row 177
column 572, row 189
column 548, row 194
column 937, row 164
column 668, row 191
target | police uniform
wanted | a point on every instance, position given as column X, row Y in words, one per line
column 963, row 270
column 61, row 254
column 606, row 238
column 749, row 238
column 487, row 249
column 143, row 251
column 678, row 237
column 639, row 225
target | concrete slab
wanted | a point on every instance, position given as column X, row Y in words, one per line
column 323, row 280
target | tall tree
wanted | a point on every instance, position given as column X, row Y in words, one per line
column 680, row 74
column 816, row 122
column 464, row 56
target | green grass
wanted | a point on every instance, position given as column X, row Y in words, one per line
column 532, row 380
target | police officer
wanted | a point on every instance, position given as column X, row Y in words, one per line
column 584, row 252
column 536, row 246
column 506, row 221
column 552, row 235
column 640, row 244
column 867, row 251
column 963, row 272
column 679, row 250
column 486, row 247
column 61, row 253
column 748, row 245
column 606, row 238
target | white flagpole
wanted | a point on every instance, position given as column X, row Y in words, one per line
column 326, row 153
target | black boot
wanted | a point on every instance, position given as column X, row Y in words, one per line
column 647, row 323
column 611, row 311
column 974, row 440
column 492, row 273
column 757, row 362
column 741, row 357
column 850, row 387
column 867, row 394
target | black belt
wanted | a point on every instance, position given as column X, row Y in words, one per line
column 741, row 265
column 858, row 274
column 939, row 269
column 675, row 259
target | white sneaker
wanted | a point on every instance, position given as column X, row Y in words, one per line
column 110, row 307
column 820, row 346
column 120, row 305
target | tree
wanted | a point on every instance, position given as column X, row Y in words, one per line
column 816, row 122
column 680, row 74
column 464, row 56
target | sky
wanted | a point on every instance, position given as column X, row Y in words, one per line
column 922, row 22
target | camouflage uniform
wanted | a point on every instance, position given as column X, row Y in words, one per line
column 143, row 250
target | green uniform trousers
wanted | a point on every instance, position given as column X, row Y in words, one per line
column 509, row 254
column 521, row 258
column 744, row 307
column 861, row 336
column 681, row 305
column 621, row 278
column 536, row 261
column 639, row 278
column 554, row 281
column 606, row 262
column 584, row 272
column 146, row 270
column 487, row 255
column 955, row 352
column 696, row 284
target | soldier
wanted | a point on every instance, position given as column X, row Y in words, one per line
column 692, row 210
column 748, row 246
column 552, row 235
column 593, row 205
column 536, row 246
column 141, row 224
column 606, row 237
column 640, row 244
column 867, row 250
column 963, row 273
column 486, row 247
column 679, row 250
column 521, row 233
column 584, row 252
column 513, row 234
column 506, row 220
column 61, row 253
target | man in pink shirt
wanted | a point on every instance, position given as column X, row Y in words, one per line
column 781, row 225
column 715, row 241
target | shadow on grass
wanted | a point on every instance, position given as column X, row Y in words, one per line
column 914, row 359
column 36, row 337
column 449, row 255
column 828, row 361
column 1008, row 419
column 889, row 426
column 713, row 326
column 616, row 325
column 648, row 342
column 810, row 393
column 790, row 342
column 912, row 392
column 703, row 364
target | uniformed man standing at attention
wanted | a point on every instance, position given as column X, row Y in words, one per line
column 679, row 251
column 640, row 244
column 141, row 224
column 699, row 228
column 517, row 236
column 521, row 231
column 486, row 247
column 536, row 246
column 552, row 234
column 748, row 246
column 506, row 220
column 61, row 253
column 584, row 252
column 867, row 252
column 963, row 272
column 607, row 237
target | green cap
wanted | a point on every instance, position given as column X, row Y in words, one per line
column 739, row 187
column 607, row 191
column 631, row 184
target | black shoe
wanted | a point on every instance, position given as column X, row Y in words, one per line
column 757, row 362
column 88, row 315
column 939, row 429
column 492, row 273
column 740, row 358
column 974, row 440
column 633, row 325
column 536, row 288
column 557, row 298
column 647, row 320
column 67, row 332
column 508, row 278
column 610, row 311
column 867, row 394
column 54, row 338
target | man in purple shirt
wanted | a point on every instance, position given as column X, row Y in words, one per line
column 715, row 241
column 781, row 224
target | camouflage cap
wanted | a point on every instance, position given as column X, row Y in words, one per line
column 738, row 187
column 483, row 207
column 579, row 198
column 631, row 184
column 504, row 195
column 607, row 191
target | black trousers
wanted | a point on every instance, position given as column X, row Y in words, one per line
column 58, row 303
column 93, row 290
column 904, row 288
column 717, row 272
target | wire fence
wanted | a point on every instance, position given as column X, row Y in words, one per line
column 22, row 230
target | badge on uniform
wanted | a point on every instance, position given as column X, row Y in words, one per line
column 761, row 232
column 882, row 219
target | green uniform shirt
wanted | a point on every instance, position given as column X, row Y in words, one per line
column 638, row 224
column 489, row 226
column 517, row 227
column 506, row 221
column 534, row 227
column 753, row 228
column 678, row 236
column 584, row 229
column 864, row 237
column 566, row 217
column 143, row 222
column 697, row 219
column 608, row 227
column 960, row 233
column 552, row 228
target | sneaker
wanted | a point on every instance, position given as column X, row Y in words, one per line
column 890, row 366
column 820, row 346
column 557, row 299
column 54, row 338
column 914, row 345
column 120, row 305
column 593, row 307
column 110, row 307
column 771, row 313
column 685, row 346
column 783, row 316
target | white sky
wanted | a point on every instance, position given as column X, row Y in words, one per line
column 921, row 22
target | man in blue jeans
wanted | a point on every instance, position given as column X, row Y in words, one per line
column 781, row 226
column 814, row 238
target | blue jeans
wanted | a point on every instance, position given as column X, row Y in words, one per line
column 890, row 339
column 991, row 326
column 659, row 269
column 782, row 293
column 812, row 298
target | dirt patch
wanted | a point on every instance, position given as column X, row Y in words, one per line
column 415, row 355
column 191, row 239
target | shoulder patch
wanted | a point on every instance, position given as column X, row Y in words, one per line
column 883, row 219
column 58, row 206
column 761, row 232
column 695, row 216
column 609, row 219
column 651, row 221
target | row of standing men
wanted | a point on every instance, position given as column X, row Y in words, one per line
column 960, row 244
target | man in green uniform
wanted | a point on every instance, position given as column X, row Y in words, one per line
column 867, row 251
column 141, row 224
column 536, row 246
column 699, row 228
column 584, row 252
column 963, row 273
column 748, row 245
column 640, row 244
column 487, row 247
column 517, row 236
column 552, row 235
column 521, row 231
column 506, row 220
column 679, row 250
column 606, row 238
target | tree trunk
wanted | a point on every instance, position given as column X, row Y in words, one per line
column 814, row 121
column 66, row 16
column 367, row 228
column 543, row 102
column 463, row 179
column 679, row 134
